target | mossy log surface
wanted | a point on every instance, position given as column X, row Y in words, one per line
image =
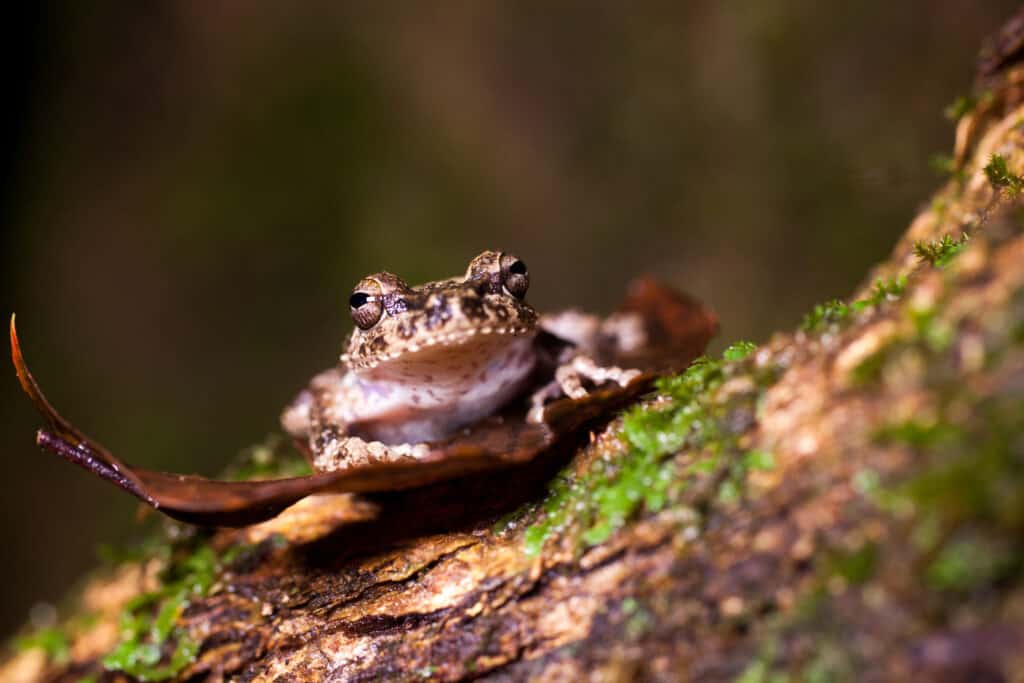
column 843, row 502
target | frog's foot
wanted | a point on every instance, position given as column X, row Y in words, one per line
column 570, row 377
column 334, row 452
column 570, row 381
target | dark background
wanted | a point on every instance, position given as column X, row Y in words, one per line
column 191, row 189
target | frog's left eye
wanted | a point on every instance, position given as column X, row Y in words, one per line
column 514, row 276
column 365, row 304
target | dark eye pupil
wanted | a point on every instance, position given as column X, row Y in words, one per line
column 358, row 300
column 517, row 268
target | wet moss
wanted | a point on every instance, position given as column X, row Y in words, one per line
column 152, row 646
column 953, row 514
column 1001, row 178
column 738, row 351
column 944, row 165
column 275, row 458
column 940, row 253
column 964, row 105
column 869, row 370
column 638, row 619
column 855, row 566
column 882, row 292
column 824, row 315
column 593, row 505
column 967, row 564
column 836, row 313
column 53, row 641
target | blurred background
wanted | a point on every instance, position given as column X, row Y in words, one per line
column 191, row 189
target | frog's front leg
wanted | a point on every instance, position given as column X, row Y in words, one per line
column 570, row 378
column 582, row 367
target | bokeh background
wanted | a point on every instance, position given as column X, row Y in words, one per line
column 191, row 189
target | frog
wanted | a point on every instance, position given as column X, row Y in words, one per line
column 446, row 379
column 424, row 362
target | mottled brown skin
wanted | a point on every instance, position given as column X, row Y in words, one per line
column 425, row 361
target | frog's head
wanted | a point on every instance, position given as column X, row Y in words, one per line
column 413, row 333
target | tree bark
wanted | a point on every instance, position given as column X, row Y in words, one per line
column 847, row 503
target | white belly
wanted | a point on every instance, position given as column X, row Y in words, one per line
column 429, row 396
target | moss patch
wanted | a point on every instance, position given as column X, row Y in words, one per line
column 642, row 477
column 825, row 315
column 1000, row 177
column 152, row 647
column 275, row 458
column 54, row 643
column 941, row 252
column 965, row 104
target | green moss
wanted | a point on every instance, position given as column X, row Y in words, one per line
column 738, row 351
column 831, row 664
column 966, row 497
column 968, row 564
column 761, row 668
column 759, row 460
column 935, row 333
column 883, row 291
column 856, row 566
column 52, row 641
column 836, row 312
column 275, row 458
column 943, row 164
column 866, row 482
column 148, row 622
column 595, row 504
column 152, row 646
column 916, row 433
column 638, row 619
column 940, row 253
column 824, row 315
column 511, row 520
column 965, row 104
column 152, row 545
column 869, row 370
column 1000, row 177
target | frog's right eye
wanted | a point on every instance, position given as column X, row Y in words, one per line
column 366, row 305
column 515, row 277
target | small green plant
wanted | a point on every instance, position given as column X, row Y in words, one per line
column 837, row 312
column 964, row 105
column 942, row 164
column 1000, row 177
column 52, row 641
column 884, row 290
column 644, row 477
column 275, row 458
column 940, row 253
column 148, row 622
column 739, row 351
column 823, row 315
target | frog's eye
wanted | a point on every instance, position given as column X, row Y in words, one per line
column 365, row 304
column 514, row 276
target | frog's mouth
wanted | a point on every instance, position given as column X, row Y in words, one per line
column 452, row 352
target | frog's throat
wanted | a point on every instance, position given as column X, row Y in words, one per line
column 430, row 396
